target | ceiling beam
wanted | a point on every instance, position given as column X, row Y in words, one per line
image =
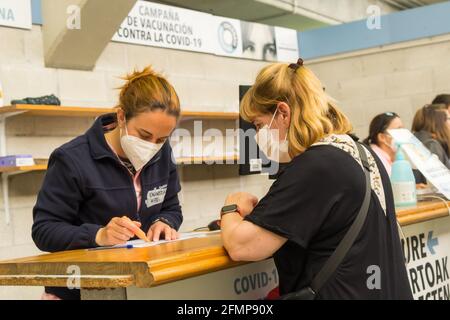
column 75, row 32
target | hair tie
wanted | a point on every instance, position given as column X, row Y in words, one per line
column 297, row 65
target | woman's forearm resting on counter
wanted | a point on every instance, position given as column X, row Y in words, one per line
column 246, row 241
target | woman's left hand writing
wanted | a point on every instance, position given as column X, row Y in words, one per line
column 159, row 229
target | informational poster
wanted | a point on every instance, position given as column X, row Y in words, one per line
column 427, row 163
column 164, row 26
column 15, row 13
column 427, row 248
column 287, row 44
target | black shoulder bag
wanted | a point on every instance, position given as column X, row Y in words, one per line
column 310, row 293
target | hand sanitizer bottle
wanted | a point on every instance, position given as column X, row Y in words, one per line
column 403, row 182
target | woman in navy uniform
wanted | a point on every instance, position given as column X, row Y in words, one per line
column 117, row 178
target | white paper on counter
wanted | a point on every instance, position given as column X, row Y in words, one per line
column 183, row 236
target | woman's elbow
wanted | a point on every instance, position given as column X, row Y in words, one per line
column 40, row 235
column 237, row 244
column 244, row 254
column 238, row 252
column 37, row 241
column 236, row 255
column 232, row 249
column 37, row 236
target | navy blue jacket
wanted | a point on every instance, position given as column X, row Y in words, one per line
column 86, row 186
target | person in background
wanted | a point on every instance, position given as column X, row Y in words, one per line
column 431, row 125
column 381, row 141
column 443, row 99
column 103, row 187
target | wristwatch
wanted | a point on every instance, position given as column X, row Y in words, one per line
column 229, row 209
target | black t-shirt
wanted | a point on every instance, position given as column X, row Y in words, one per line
column 313, row 203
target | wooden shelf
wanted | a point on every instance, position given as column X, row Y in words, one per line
column 42, row 164
column 63, row 111
column 197, row 160
column 23, row 169
column 54, row 111
column 210, row 115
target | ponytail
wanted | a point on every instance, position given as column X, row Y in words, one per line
column 147, row 90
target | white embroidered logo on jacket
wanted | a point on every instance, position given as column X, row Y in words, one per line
column 156, row 196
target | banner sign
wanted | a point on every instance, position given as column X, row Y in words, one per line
column 15, row 13
column 427, row 248
column 253, row 281
column 163, row 26
column 158, row 25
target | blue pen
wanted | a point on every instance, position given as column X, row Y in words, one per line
column 125, row 246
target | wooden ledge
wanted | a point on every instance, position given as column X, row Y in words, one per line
column 42, row 164
column 62, row 281
column 140, row 267
column 424, row 211
column 66, row 111
column 151, row 266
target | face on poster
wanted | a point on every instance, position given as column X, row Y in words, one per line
column 258, row 41
column 268, row 43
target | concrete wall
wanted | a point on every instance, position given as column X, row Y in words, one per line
column 398, row 80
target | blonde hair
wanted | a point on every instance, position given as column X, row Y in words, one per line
column 145, row 91
column 314, row 114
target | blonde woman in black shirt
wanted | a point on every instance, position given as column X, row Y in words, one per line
column 316, row 198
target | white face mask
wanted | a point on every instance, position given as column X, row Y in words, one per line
column 393, row 146
column 269, row 143
column 138, row 151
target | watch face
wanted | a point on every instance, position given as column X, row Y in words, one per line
column 230, row 208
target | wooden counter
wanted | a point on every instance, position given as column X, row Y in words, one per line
column 424, row 211
column 141, row 267
column 164, row 264
column 73, row 111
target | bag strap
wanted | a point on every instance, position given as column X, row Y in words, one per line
column 347, row 242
